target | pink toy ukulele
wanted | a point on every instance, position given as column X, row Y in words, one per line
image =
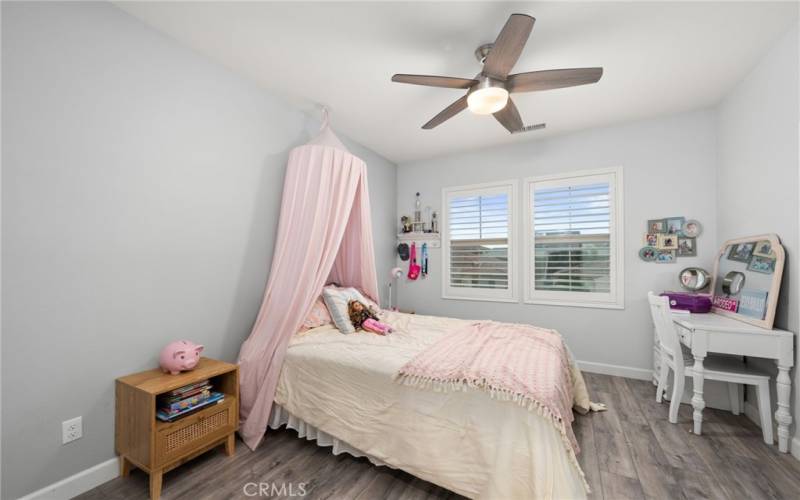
column 413, row 267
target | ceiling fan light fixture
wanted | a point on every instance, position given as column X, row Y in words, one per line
column 487, row 100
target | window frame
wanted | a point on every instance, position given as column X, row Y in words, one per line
column 615, row 299
column 510, row 187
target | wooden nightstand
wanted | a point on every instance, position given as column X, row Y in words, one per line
column 154, row 446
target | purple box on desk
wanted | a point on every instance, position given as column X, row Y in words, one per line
column 692, row 302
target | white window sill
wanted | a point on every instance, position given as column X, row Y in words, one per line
column 481, row 299
column 566, row 303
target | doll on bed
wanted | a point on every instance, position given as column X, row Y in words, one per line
column 364, row 318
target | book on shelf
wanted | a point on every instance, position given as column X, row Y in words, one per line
column 187, row 388
column 187, row 402
column 188, row 394
column 164, row 414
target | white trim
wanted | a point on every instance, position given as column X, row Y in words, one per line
column 568, row 303
column 481, row 299
column 795, row 447
column 616, row 370
column 487, row 295
column 76, row 484
column 616, row 298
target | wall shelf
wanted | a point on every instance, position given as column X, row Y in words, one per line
column 432, row 239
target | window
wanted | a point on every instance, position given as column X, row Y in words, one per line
column 478, row 242
column 573, row 239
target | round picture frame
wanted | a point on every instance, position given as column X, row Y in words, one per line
column 692, row 228
column 694, row 279
column 648, row 253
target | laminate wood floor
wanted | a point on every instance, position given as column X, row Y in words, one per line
column 630, row 451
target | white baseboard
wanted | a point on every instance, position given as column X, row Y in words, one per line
column 795, row 448
column 616, row 370
column 78, row 483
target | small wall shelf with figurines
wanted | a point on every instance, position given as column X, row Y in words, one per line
column 666, row 240
column 417, row 228
column 432, row 239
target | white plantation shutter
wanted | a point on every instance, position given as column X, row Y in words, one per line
column 573, row 242
column 478, row 242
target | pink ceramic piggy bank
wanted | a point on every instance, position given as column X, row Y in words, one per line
column 179, row 356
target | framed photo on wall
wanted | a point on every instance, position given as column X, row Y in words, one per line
column 656, row 226
column 687, row 247
column 648, row 253
column 665, row 256
column 674, row 225
column 668, row 241
column 692, row 228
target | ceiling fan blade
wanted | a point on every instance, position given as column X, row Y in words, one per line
column 529, row 128
column 508, row 46
column 509, row 117
column 435, row 81
column 447, row 113
column 552, row 79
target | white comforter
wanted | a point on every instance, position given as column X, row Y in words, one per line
column 464, row 441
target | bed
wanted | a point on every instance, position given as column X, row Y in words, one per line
column 339, row 390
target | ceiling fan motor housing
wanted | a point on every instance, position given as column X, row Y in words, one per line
column 485, row 82
column 483, row 51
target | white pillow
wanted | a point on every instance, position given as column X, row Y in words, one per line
column 336, row 299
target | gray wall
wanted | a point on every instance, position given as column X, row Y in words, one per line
column 757, row 189
column 141, row 189
column 669, row 170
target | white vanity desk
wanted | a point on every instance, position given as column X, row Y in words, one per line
column 714, row 333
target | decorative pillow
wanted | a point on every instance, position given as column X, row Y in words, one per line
column 368, row 301
column 319, row 316
column 336, row 299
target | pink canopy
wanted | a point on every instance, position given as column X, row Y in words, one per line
column 324, row 236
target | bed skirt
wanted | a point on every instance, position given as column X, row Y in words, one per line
column 280, row 417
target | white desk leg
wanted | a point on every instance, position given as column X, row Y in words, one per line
column 783, row 414
column 697, row 400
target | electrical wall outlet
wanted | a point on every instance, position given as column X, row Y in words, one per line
column 71, row 430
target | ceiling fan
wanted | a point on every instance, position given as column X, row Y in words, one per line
column 488, row 93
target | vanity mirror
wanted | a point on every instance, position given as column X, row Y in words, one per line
column 747, row 279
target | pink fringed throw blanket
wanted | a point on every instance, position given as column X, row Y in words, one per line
column 519, row 363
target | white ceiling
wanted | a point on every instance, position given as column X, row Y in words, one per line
column 658, row 58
